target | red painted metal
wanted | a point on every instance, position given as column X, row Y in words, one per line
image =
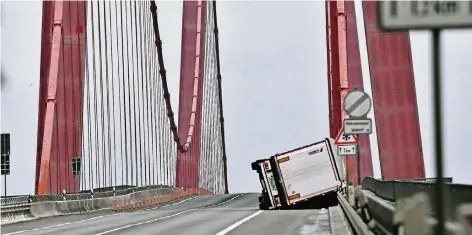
column 355, row 81
column 394, row 99
column 343, row 70
column 191, row 92
column 60, row 107
column 338, row 70
column 48, row 14
column 333, row 69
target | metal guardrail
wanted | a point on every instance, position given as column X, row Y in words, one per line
column 429, row 180
column 394, row 190
column 89, row 194
column 405, row 207
column 357, row 223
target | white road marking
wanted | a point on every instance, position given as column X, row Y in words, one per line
column 90, row 219
column 235, row 225
column 166, row 217
column 146, row 222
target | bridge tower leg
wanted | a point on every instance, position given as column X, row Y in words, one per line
column 393, row 89
column 60, row 97
column 335, row 118
column 394, row 99
column 355, row 79
column 191, row 91
column 344, row 73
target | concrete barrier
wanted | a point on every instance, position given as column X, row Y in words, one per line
column 138, row 203
column 18, row 212
column 130, row 201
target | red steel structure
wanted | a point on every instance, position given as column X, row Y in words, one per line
column 60, row 96
column 67, row 55
column 393, row 90
column 394, row 99
column 197, row 16
column 355, row 80
column 191, row 91
column 197, row 162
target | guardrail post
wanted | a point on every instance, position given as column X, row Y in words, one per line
column 464, row 216
column 362, row 208
column 350, row 195
column 410, row 216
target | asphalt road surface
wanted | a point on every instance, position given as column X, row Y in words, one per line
column 233, row 214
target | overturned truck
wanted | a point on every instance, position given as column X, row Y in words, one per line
column 302, row 178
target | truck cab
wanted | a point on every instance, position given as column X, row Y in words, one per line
column 269, row 196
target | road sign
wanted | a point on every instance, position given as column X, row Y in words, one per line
column 405, row 15
column 357, row 126
column 5, row 140
column 5, row 164
column 357, row 103
column 343, row 139
column 344, row 150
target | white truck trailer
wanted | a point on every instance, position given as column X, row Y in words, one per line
column 302, row 174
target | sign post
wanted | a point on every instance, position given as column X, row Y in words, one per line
column 346, row 145
column 357, row 104
column 434, row 16
column 5, row 158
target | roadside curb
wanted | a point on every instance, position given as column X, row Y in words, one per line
column 31, row 211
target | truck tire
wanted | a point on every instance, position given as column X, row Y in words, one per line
column 263, row 206
column 263, row 203
column 261, row 199
column 254, row 165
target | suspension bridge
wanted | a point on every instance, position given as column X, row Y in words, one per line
column 107, row 127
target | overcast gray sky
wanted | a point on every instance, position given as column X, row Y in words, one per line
column 273, row 60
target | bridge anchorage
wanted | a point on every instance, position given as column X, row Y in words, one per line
column 113, row 155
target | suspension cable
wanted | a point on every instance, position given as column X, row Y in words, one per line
column 162, row 72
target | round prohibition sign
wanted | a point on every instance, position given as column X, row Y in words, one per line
column 357, row 103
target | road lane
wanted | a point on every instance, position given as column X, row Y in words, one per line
column 93, row 223
column 234, row 214
column 286, row 222
column 206, row 221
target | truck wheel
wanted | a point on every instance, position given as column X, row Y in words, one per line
column 263, row 206
column 261, row 199
column 255, row 165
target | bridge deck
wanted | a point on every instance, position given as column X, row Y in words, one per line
column 222, row 214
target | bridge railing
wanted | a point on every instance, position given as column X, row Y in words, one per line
column 408, row 207
column 88, row 194
column 395, row 190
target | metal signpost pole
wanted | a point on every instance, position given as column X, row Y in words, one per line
column 358, row 156
column 437, row 96
column 346, row 146
column 5, row 158
column 347, row 179
column 357, row 104
column 347, row 172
